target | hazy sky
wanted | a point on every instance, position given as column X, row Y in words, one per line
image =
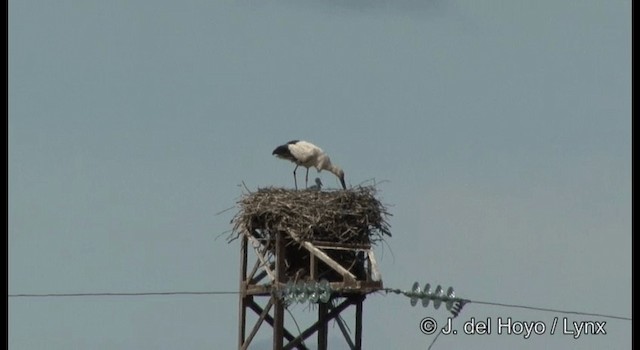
column 501, row 130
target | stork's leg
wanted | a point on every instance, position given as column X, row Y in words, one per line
column 295, row 181
column 306, row 179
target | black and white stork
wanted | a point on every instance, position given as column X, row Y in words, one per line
column 306, row 154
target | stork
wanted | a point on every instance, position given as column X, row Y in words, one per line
column 308, row 155
column 317, row 186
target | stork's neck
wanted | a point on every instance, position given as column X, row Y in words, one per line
column 334, row 169
column 324, row 163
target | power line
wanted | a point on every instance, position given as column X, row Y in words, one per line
column 51, row 295
column 135, row 294
column 434, row 340
column 549, row 310
column 438, row 297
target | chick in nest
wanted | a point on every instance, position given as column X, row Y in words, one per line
column 317, row 186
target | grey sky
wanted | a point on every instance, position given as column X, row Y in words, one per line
column 502, row 127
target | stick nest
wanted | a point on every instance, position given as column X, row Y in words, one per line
column 341, row 216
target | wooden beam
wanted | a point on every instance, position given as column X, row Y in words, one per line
column 242, row 303
column 327, row 260
column 309, row 331
column 256, row 326
column 262, row 274
column 345, row 333
column 278, row 312
column 342, row 289
column 256, row 279
column 374, row 272
column 259, row 289
column 359, row 324
column 249, row 277
column 313, row 267
column 342, row 246
column 256, row 246
column 258, row 310
column 323, row 328
column 324, row 257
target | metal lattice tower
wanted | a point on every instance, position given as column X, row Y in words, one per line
column 350, row 269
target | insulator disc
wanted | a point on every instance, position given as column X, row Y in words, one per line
column 437, row 294
column 426, row 291
column 288, row 292
column 301, row 292
column 324, row 291
column 414, row 290
column 450, row 294
column 312, row 291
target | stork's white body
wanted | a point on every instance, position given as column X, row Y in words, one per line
column 308, row 155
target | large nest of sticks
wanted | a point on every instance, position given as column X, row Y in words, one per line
column 340, row 216
column 353, row 216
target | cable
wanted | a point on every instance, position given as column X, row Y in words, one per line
column 418, row 294
column 434, row 340
column 549, row 310
column 298, row 327
column 49, row 295
column 106, row 294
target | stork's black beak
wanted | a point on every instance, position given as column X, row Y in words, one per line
column 342, row 182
